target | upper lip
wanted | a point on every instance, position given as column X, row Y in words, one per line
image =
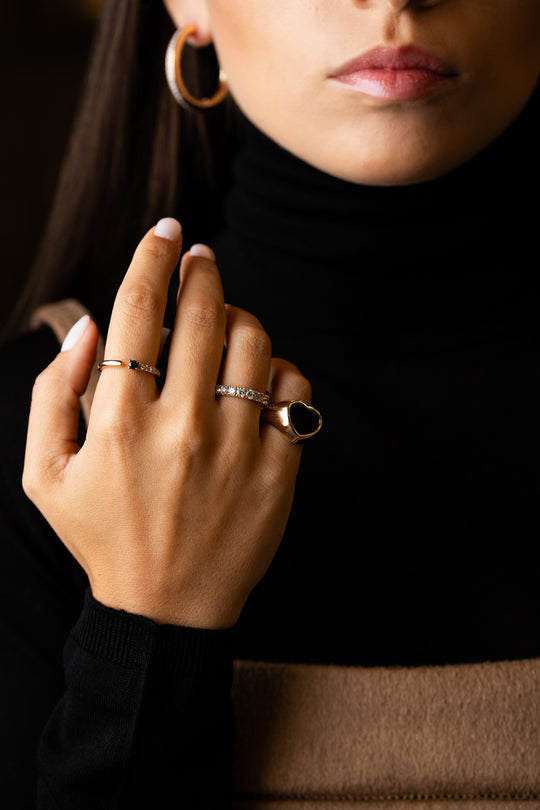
column 407, row 57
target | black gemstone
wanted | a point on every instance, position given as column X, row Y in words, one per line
column 134, row 364
column 304, row 420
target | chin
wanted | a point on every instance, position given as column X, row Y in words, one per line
column 394, row 167
column 385, row 173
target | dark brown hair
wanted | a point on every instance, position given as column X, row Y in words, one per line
column 133, row 157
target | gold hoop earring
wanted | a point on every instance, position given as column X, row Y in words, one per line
column 175, row 79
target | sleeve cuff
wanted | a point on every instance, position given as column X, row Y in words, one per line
column 132, row 641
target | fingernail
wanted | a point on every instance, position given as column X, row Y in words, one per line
column 75, row 333
column 168, row 228
column 203, row 251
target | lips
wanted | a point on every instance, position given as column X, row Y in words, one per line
column 396, row 74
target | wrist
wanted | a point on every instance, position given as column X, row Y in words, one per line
column 198, row 613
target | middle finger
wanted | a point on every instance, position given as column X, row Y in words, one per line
column 197, row 340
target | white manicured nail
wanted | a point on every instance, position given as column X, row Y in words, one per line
column 75, row 333
column 203, row 251
column 168, row 228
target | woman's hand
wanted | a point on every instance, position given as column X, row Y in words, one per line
column 178, row 500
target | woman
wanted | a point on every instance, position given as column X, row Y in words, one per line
column 375, row 225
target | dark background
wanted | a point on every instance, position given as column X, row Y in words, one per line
column 44, row 46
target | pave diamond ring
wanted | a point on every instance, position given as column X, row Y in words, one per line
column 243, row 393
column 295, row 419
column 135, row 365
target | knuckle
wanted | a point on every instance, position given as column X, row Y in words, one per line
column 38, row 476
column 254, row 341
column 117, row 426
column 191, row 435
column 304, row 389
column 154, row 250
column 49, row 380
column 289, row 375
column 141, row 301
column 205, row 313
column 190, row 450
column 274, row 482
column 40, row 384
column 30, row 481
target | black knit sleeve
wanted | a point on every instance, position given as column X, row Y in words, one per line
column 98, row 708
column 146, row 715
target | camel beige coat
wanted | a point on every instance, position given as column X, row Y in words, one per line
column 433, row 738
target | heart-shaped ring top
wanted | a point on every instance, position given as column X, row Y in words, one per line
column 294, row 418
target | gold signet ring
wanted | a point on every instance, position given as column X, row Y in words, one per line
column 294, row 418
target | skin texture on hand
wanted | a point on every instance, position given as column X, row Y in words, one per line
column 178, row 500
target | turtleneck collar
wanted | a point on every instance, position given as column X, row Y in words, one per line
column 453, row 250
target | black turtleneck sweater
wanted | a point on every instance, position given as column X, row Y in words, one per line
column 411, row 541
column 413, row 311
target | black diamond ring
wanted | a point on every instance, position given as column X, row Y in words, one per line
column 135, row 365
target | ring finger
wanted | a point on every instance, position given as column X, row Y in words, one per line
column 246, row 366
column 199, row 331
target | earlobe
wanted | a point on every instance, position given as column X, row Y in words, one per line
column 191, row 12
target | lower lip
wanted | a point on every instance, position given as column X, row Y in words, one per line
column 395, row 85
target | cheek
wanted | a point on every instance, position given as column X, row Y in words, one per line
column 230, row 28
column 507, row 49
column 264, row 49
column 244, row 35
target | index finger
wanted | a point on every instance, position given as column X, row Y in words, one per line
column 139, row 308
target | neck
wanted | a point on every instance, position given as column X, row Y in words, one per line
column 455, row 250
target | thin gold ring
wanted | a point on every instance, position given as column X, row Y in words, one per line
column 135, row 365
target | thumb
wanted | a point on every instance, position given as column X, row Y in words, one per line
column 53, row 425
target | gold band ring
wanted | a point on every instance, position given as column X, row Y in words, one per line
column 135, row 365
column 294, row 418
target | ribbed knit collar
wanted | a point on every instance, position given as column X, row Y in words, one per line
column 451, row 250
